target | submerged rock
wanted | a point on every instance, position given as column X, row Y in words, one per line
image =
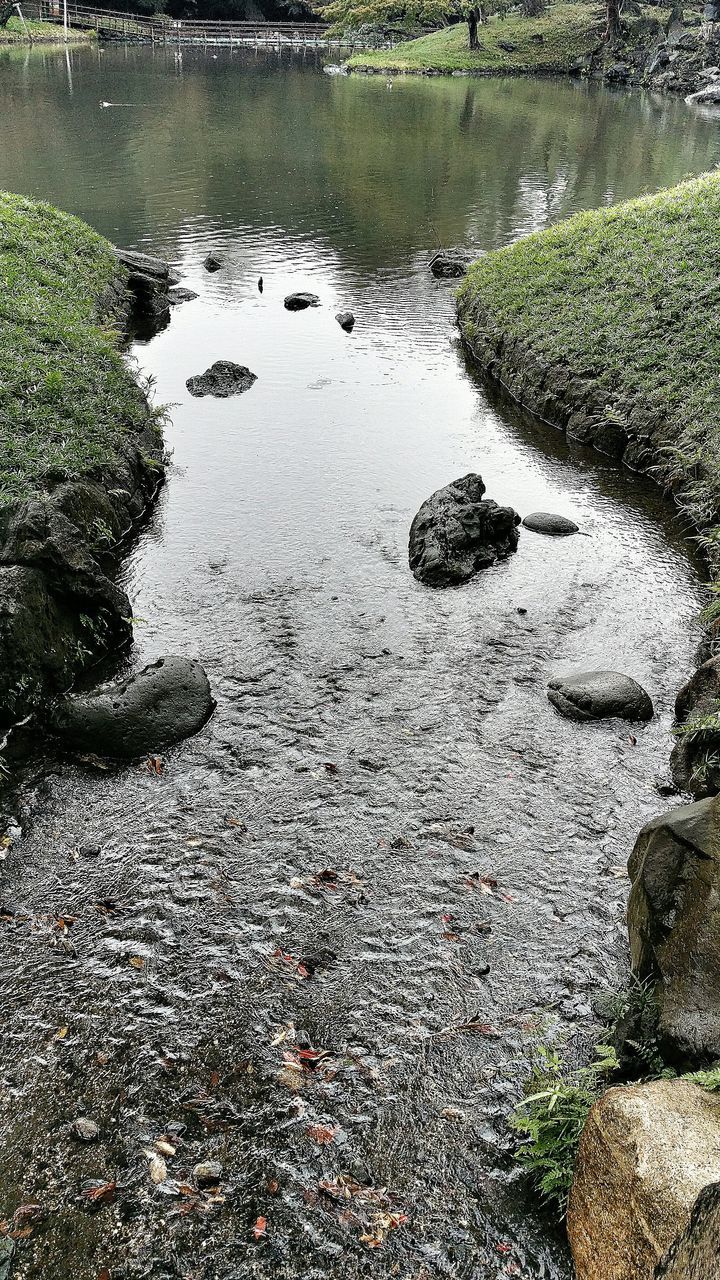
column 646, row 1154
column 695, row 758
column 181, row 295
column 456, row 533
column 449, row 264
column 599, row 695
column 213, row 262
column 223, row 378
column 164, row 703
column 300, row 301
column 553, row 525
column 674, row 924
column 85, row 1129
column 346, row 320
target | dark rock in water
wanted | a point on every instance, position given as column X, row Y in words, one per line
column 599, row 695
column 166, row 702
column 149, row 281
column 181, row 295
column 695, row 1255
column 553, row 525
column 223, row 378
column 449, row 264
column 346, row 320
column 695, row 758
column 299, row 301
column 456, row 533
column 674, row 924
column 213, row 262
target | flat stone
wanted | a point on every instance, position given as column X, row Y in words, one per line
column 346, row 320
column 144, row 264
column 223, row 378
column 300, row 301
column 599, row 695
column 181, row 295
column 456, row 533
column 646, row 1153
column 213, row 262
column 553, row 525
column 164, row 703
column 674, row 925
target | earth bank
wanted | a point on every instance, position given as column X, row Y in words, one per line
column 82, row 456
column 593, row 325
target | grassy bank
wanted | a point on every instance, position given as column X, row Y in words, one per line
column 41, row 33
column 557, row 41
column 67, row 401
column 607, row 324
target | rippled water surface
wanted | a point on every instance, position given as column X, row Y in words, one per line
column 305, row 874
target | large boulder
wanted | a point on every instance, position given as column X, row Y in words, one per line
column 162, row 704
column 695, row 1255
column 456, row 533
column 695, row 758
column 646, row 1153
column 223, row 379
column 599, row 695
column 674, row 924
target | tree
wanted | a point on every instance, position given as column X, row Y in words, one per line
column 613, row 29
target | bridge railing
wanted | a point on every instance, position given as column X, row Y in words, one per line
column 165, row 30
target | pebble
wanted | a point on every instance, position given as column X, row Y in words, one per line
column 85, row 1129
column 207, row 1173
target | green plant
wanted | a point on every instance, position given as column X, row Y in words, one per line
column 551, row 1119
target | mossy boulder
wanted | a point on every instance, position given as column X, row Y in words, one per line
column 674, row 925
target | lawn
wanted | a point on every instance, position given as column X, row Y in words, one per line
column 67, row 400
column 557, row 41
column 624, row 299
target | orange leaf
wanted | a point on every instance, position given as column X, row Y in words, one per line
column 260, row 1228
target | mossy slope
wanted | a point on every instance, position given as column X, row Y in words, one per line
column 67, row 401
column 608, row 325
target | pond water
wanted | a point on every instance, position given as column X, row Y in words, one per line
column 375, row 744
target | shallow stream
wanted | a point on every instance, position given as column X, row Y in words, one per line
column 385, row 850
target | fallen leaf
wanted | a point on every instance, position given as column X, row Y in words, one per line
column 101, row 1192
column 323, row 1134
column 61, row 1033
column 157, row 1167
column 137, row 962
column 260, row 1228
column 329, row 766
column 273, row 1186
column 154, row 764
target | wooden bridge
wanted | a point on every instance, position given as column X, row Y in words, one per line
column 111, row 24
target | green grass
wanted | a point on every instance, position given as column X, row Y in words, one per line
column 15, row 33
column 66, row 398
column 553, row 42
column 627, row 299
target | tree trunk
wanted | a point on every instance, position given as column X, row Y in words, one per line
column 474, row 17
column 614, row 29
